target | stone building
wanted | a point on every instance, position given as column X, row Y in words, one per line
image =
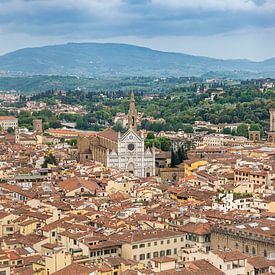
column 271, row 133
column 254, row 238
column 254, row 136
column 125, row 152
column 38, row 126
column 8, row 122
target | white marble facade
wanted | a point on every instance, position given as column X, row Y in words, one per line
column 132, row 156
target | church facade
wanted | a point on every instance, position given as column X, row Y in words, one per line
column 125, row 152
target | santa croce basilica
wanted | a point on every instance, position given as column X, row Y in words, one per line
column 125, row 152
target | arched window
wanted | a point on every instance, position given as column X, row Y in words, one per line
column 253, row 251
column 246, row 249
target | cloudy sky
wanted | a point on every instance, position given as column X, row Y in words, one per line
column 216, row 28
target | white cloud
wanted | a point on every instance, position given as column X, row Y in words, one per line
column 223, row 5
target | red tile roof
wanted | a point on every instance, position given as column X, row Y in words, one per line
column 76, row 183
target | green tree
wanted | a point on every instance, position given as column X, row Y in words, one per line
column 50, row 159
column 165, row 143
column 118, row 127
column 72, row 142
column 150, row 136
column 226, row 131
column 10, row 130
column 174, row 159
column 242, row 130
column 257, row 127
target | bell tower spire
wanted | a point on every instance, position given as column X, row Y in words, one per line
column 132, row 114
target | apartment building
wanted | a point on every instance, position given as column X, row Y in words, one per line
column 145, row 245
column 8, row 122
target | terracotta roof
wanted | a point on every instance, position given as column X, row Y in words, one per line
column 230, row 255
column 109, row 134
column 196, row 228
column 202, row 267
column 199, row 267
column 163, row 259
column 259, row 262
column 119, row 196
column 7, row 117
column 75, row 268
column 70, row 132
column 77, row 182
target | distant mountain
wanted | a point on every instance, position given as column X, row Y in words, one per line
column 109, row 59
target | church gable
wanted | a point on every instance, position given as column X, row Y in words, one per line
column 131, row 136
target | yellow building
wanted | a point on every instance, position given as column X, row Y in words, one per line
column 191, row 165
column 250, row 175
column 7, row 226
column 27, row 227
column 53, row 261
column 192, row 195
column 270, row 203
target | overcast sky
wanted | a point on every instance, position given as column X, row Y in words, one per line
column 216, row 28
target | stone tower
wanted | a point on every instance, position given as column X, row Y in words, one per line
column 38, row 126
column 271, row 133
column 132, row 114
column 272, row 120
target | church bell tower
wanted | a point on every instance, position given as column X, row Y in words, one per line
column 132, row 114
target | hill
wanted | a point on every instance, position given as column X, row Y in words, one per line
column 109, row 59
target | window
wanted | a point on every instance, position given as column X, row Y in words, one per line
column 135, row 257
column 161, row 242
column 148, row 256
column 175, row 251
column 155, row 243
column 228, row 266
column 142, row 257
column 265, row 253
column 134, row 246
column 253, row 251
column 220, row 267
column 156, row 264
column 156, row 254
column 168, row 252
column 149, row 244
column 168, row 241
column 246, row 249
column 175, row 240
column 75, row 242
column 141, row 245
column 162, row 253
column 53, row 234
